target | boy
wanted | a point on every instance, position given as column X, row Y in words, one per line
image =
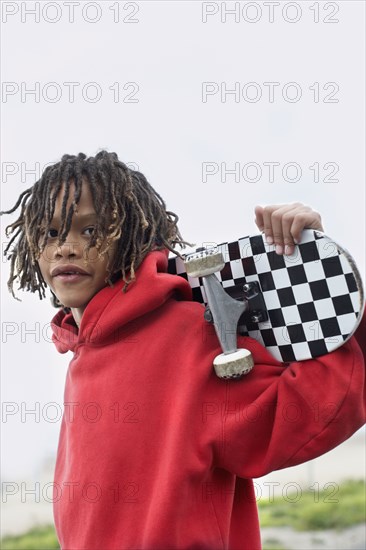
column 155, row 451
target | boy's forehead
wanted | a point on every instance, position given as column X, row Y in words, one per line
column 85, row 200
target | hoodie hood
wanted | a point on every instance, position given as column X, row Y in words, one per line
column 111, row 308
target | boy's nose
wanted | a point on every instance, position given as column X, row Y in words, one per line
column 69, row 248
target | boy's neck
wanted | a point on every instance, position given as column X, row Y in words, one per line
column 77, row 313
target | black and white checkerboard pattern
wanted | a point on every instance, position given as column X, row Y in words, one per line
column 314, row 297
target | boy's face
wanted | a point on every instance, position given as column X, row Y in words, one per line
column 75, row 290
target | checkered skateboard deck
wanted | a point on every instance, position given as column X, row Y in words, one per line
column 314, row 298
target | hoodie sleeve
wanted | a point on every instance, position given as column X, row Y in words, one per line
column 282, row 415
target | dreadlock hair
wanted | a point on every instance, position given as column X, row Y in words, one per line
column 129, row 211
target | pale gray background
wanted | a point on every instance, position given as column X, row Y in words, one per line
column 168, row 133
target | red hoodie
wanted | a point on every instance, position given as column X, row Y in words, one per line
column 155, row 451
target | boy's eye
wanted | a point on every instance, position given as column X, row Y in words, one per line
column 91, row 229
column 52, row 233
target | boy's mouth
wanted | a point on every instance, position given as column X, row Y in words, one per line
column 66, row 271
column 71, row 277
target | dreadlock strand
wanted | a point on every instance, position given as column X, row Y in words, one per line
column 19, row 221
column 100, row 204
column 24, row 194
column 63, row 229
column 114, row 228
column 77, row 176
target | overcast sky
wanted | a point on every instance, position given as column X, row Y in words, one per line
column 221, row 111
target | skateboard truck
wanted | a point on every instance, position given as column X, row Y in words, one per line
column 223, row 311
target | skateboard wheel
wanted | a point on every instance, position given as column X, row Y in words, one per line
column 203, row 263
column 233, row 365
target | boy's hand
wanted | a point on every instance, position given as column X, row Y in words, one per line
column 282, row 224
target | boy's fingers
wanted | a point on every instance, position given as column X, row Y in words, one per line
column 283, row 224
column 259, row 217
column 305, row 219
column 273, row 228
column 289, row 239
column 267, row 223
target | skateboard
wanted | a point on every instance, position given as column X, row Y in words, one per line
column 299, row 307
